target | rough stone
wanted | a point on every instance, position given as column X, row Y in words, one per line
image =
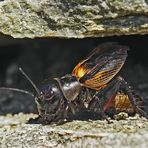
column 132, row 132
column 73, row 19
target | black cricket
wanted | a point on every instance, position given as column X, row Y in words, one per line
column 91, row 88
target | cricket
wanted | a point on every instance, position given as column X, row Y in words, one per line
column 92, row 87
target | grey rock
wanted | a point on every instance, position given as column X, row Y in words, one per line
column 73, row 19
column 132, row 132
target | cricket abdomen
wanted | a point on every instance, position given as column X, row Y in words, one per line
column 123, row 104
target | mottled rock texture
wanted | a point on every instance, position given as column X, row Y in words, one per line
column 73, row 18
column 129, row 133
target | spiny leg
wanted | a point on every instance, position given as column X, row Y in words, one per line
column 102, row 111
column 106, row 97
column 134, row 98
column 103, row 99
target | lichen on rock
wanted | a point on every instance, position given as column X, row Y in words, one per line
column 73, row 19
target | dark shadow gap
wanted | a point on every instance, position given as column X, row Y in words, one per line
column 43, row 58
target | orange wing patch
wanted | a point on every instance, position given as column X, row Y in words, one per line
column 101, row 65
column 79, row 71
column 100, row 79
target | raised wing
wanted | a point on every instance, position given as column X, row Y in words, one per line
column 101, row 65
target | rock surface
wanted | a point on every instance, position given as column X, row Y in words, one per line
column 131, row 132
column 73, row 19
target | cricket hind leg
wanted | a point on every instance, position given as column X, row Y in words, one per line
column 104, row 99
column 139, row 104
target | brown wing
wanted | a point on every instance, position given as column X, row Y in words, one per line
column 101, row 65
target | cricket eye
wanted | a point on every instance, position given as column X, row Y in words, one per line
column 47, row 95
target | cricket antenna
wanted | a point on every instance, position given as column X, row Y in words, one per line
column 27, row 77
column 16, row 90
